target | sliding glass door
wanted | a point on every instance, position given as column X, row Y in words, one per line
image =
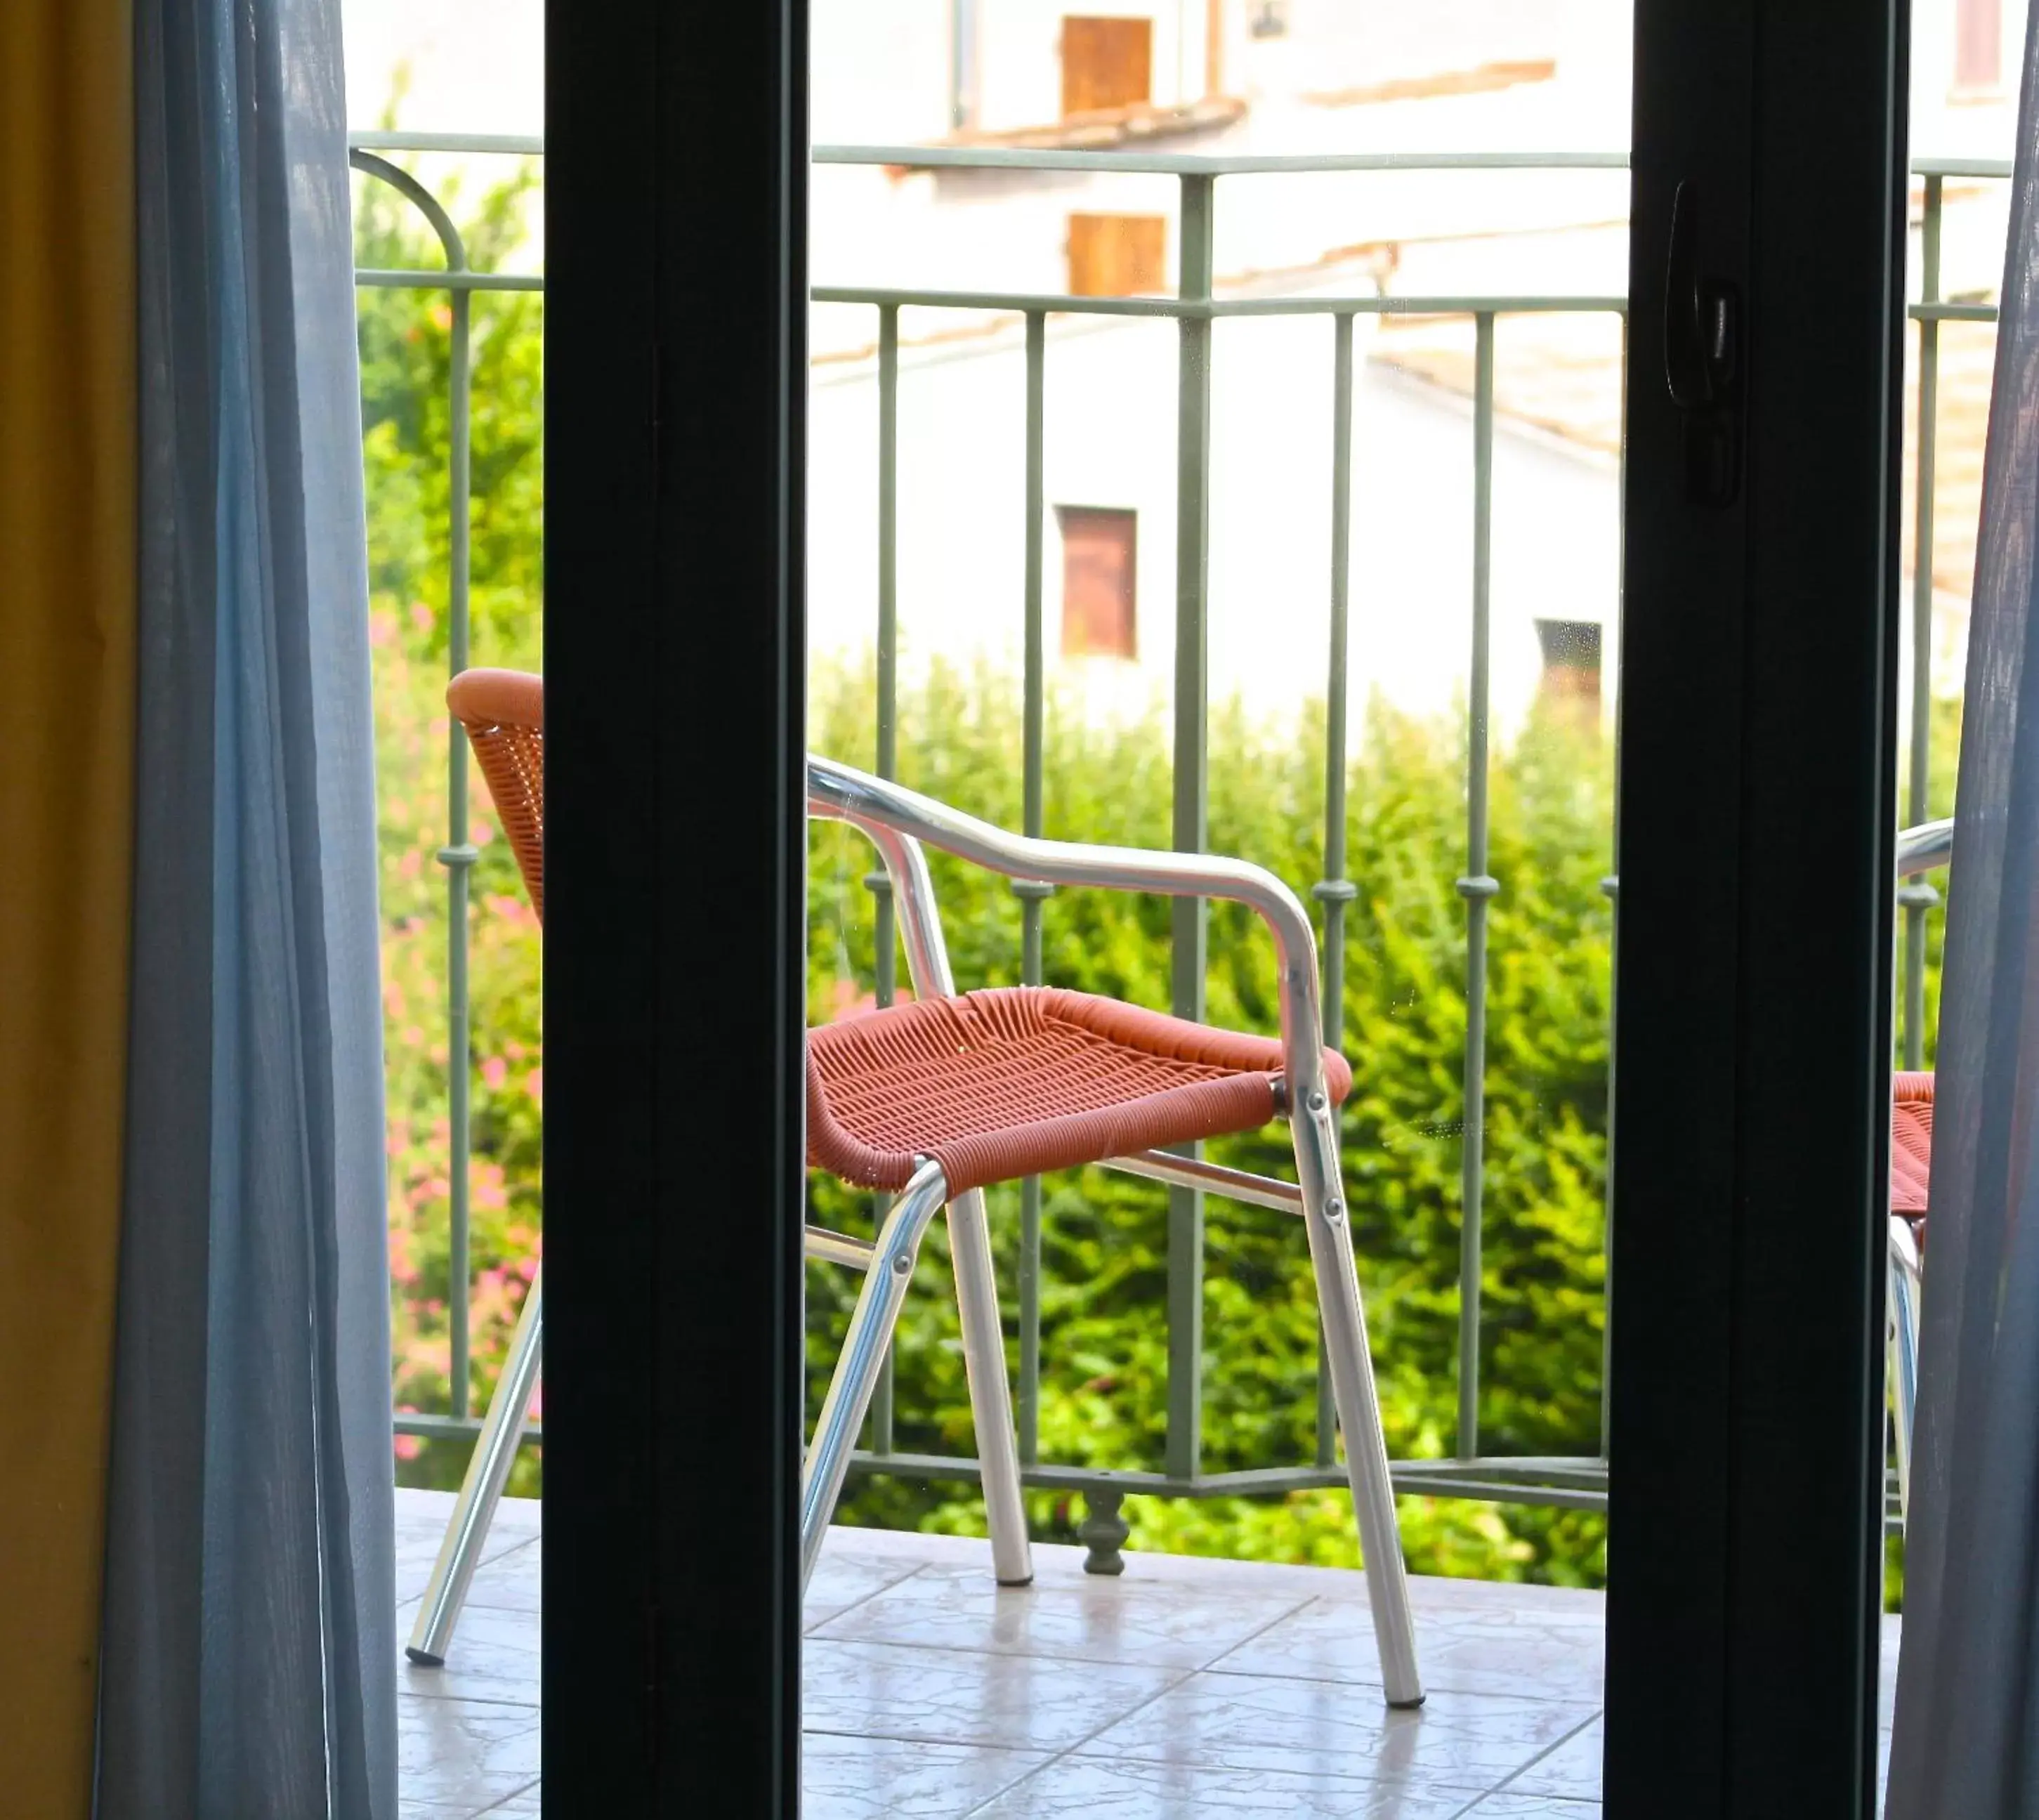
column 1463, row 601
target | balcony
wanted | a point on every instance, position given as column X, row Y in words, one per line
column 1142, row 1680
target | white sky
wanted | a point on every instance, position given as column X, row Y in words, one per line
column 477, row 65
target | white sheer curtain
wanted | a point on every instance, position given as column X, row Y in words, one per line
column 249, row 1648
column 1966, row 1742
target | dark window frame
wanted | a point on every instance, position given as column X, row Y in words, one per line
column 675, row 658
column 1753, row 1036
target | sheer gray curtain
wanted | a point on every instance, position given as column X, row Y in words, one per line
column 1966, row 1742
column 250, row 1650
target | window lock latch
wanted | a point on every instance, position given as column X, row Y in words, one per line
column 1703, row 333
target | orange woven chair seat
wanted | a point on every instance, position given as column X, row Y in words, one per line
column 1911, row 1142
column 1020, row 1080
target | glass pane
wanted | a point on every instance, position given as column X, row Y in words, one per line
column 453, row 409
column 1323, row 465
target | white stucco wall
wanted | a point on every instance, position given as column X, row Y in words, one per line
column 1110, row 414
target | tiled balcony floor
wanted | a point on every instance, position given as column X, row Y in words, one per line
column 1186, row 1688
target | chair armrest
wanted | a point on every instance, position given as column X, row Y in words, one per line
column 1921, row 848
column 892, row 814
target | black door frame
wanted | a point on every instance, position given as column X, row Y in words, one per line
column 1746, row 1454
column 675, row 653
column 1758, row 666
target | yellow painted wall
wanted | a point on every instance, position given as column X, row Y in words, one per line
column 66, row 729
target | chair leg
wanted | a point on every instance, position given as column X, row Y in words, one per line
column 990, row 1396
column 1353, row 1390
column 1904, row 1333
column 488, row 1471
column 855, row 1377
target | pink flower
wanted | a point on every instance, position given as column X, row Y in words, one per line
column 421, row 616
column 408, row 1446
column 494, row 1071
column 849, row 1002
column 535, row 1084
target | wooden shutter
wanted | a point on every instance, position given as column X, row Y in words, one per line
column 1117, row 255
column 1978, row 45
column 1098, row 591
column 1107, row 63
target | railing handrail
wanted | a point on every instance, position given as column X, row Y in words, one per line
column 1135, row 164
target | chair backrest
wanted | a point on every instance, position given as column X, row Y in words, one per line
column 504, row 714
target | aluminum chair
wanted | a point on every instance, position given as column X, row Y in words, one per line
column 938, row 1099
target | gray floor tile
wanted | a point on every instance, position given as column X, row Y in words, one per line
column 1160, row 1624
column 1095, row 1788
column 844, row 1577
column 1331, row 1728
column 849, row 1778
column 1507, row 1806
column 458, row 1751
column 1572, row 1770
column 1551, row 1653
column 964, row 1696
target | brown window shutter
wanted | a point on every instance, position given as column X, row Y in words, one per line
column 1978, row 45
column 1117, row 255
column 1107, row 63
column 1099, row 583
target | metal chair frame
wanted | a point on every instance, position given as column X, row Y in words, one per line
column 899, row 823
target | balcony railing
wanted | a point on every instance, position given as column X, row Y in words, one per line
column 1573, row 1481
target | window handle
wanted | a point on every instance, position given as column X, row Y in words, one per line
column 1703, row 330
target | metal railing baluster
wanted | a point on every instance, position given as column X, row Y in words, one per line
column 1477, row 889
column 1916, row 896
column 1032, row 892
column 1335, row 890
column 459, row 856
column 1188, row 921
column 886, row 984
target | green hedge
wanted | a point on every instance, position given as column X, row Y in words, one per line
column 1103, row 1330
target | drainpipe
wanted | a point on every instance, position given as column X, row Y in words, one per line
column 963, row 64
